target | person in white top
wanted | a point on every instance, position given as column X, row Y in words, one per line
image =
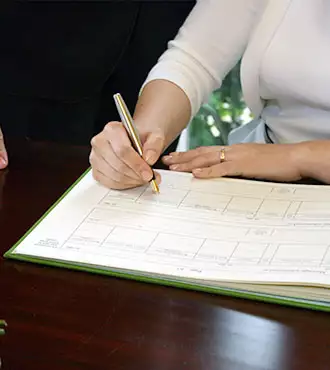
column 285, row 74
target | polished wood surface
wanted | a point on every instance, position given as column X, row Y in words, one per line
column 61, row 319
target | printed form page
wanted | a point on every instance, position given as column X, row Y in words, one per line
column 221, row 229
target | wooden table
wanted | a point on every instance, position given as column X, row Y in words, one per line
column 60, row 319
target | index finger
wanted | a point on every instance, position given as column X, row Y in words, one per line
column 183, row 157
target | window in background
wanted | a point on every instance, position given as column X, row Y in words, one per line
column 225, row 111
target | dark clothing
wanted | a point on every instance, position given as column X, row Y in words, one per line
column 61, row 62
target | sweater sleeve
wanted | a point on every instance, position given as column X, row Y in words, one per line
column 208, row 45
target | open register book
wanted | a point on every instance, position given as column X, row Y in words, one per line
column 255, row 240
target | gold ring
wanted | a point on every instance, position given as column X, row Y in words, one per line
column 222, row 155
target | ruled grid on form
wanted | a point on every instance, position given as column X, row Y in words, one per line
column 219, row 229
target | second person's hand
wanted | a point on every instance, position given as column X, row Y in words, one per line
column 116, row 164
column 3, row 152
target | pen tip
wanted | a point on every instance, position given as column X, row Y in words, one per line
column 155, row 187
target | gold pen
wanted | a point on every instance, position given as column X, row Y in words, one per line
column 128, row 123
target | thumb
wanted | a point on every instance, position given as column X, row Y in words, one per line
column 153, row 147
column 3, row 152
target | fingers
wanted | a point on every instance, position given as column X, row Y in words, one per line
column 116, row 164
column 108, row 176
column 113, row 155
column 205, row 160
column 115, row 180
column 219, row 170
column 123, row 156
column 153, row 147
column 184, row 157
column 248, row 160
column 3, row 152
column 239, row 168
column 197, row 158
column 109, row 182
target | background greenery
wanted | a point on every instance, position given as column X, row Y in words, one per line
column 225, row 111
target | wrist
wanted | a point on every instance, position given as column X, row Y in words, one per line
column 146, row 128
column 302, row 158
column 162, row 106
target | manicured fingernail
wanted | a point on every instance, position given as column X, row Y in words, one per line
column 197, row 171
column 167, row 158
column 3, row 162
column 151, row 156
column 146, row 176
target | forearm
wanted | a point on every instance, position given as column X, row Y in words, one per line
column 165, row 106
column 313, row 159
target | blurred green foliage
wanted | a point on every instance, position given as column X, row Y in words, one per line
column 224, row 111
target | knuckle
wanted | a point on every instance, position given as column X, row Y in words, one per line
column 108, row 130
column 159, row 139
column 109, row 126
column 95, row 141
column 205, row 157
column 242, row 148
column 106, row 181
column 200, row 150
column 123, row 151
column 118, row 178
column 112, row 127
column 181, row 156
column 90, row 160
column 142, row 168
column 178, row 155
column 198, row 162
column 227, row 168
column 121, row 168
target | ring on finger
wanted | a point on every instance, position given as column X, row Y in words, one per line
column 222, row 155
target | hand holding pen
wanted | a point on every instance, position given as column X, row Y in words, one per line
column 116, row 161
column 133, row 133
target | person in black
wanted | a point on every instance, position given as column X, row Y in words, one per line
column 61, row 62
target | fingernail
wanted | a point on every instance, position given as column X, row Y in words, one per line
column 167, row 158
column 151, row 156
column 174, row 167
column 3, row 163
column 146, row 176
column 197, row 171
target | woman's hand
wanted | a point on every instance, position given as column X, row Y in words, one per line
column 3, row 152
column 276, row 162
column 116, row 164
column 161, row 113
